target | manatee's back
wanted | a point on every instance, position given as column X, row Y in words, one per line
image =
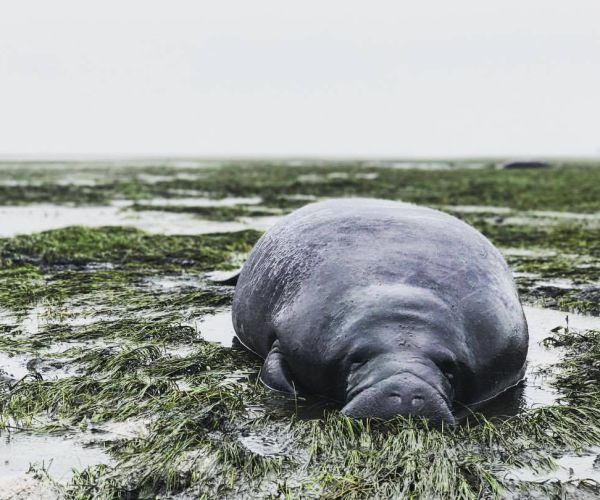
column 279, row 262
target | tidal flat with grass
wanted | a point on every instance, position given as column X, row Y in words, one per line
column 120, row 376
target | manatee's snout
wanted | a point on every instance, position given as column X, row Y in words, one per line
column 402, row 394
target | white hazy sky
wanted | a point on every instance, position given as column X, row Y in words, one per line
column 328, row 77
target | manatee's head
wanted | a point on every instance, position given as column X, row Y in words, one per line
column 390, row 385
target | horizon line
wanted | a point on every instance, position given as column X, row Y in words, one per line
column 99, row 157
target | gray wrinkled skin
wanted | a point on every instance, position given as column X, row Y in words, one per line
column 387, row 307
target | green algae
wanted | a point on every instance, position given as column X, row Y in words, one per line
column 20, row 286
column 193, row 446
column 77, row 266
column 193, row 440
column 122, row 247
column 577, row 300
column 580, row 372
column 566, row 237
column 570, row 188
column 567, row 187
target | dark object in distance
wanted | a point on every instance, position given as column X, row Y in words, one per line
column 523, row 165
column 389, row 308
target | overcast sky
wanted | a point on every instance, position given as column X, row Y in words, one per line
column 336, row 78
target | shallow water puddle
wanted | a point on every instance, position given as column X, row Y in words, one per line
column 264, row 445
column 594, row 217
column 538, row 219
column 216, row 327
column 44, row 217
column 31, row 323
column 35, row 218
column 370, row 176
column 300, row 197
column 261, row 223
column 111, row 431
column 173, row 282
column 477, row 209
column 538, row 391
column 17, row 366
column 13, row 366
column 202, row 202
column 58, row 454
column 156, row 178
column 527, row 217
column 570, row 467
column 416, row 165
column 527, row 252
column 28, row 486
column 318, row 177
column 540, row 320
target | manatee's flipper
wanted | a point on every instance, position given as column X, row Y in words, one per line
column 225, row 281
column 275, row 373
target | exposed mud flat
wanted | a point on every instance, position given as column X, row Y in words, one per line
column 124, row 351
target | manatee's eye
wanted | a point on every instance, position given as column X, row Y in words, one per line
column 359, row 356
column 357, row 362
column 357, row 359
column 447, row 366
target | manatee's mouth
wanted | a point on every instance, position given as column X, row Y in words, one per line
column 418, row 369
column 400, row 393
column 360, row 388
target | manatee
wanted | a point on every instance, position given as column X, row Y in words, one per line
column 388, row 308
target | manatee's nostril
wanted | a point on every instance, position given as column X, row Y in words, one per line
column 397, row 397
column 417, row 401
